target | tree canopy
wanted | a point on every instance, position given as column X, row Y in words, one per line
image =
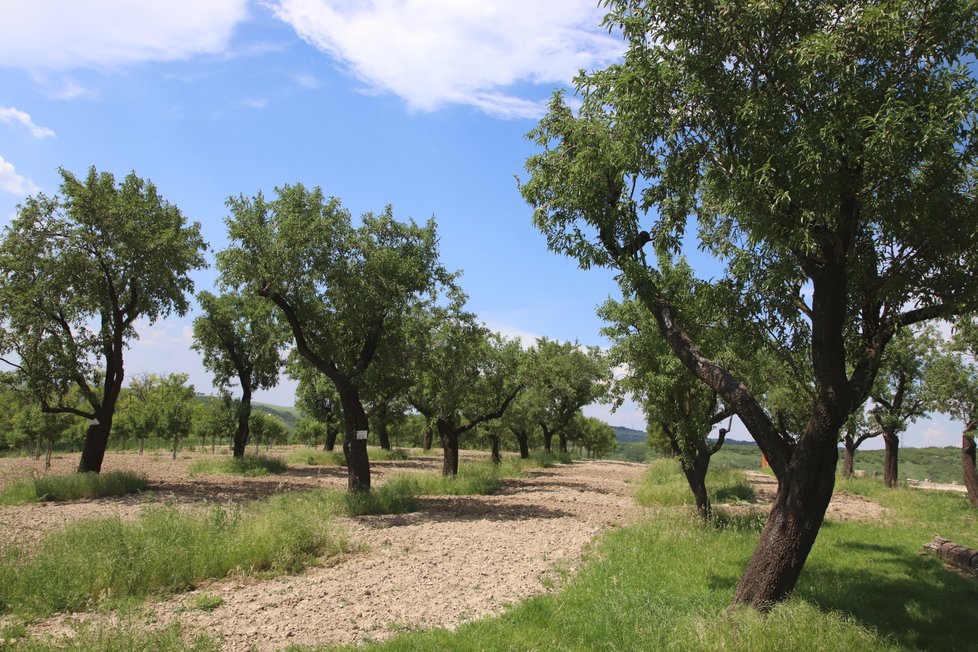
column 78, row 269
column 824, row 155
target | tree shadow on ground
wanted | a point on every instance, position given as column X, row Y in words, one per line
column 907, row 596
column 476, row 508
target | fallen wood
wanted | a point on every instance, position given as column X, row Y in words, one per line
column 960, row 557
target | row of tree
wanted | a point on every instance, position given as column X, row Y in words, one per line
column 363, row 315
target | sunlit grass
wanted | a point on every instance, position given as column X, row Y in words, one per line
column 249, row 465
column 73, row 486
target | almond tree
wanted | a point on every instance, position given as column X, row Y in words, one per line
column 824, row 155
column 77, row 270
column 341, row 290
column 240, row 340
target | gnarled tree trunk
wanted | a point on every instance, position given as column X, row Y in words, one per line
column 244, row 415
column 384, row 437
column 495, row 455
column 524, row 443
column 331, row 432
column 355, row 440
column 449, row 443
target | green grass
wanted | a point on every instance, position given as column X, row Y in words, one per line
column 165, row 550
column 317, row 458
column 668, row 584
column 396, row 496
column 249, row 465
column 125, row 637
column 665, row 485
column 73, row 486
column 934, row 464
column 546, row 460
column 475, row 478
column 384, row 455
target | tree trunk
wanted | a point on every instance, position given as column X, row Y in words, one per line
column 331, row 432
column 695, row 468
column 547, row 439
column 355, row 439
column 176, row 441
column 47, row 458
column 849, row 458
column 428, row 437
column 384, row 437
column 523, row 440
column 142, row 444
column 449, row 443
column 562, row 441
column 496, row 457
column 892, row 443
column 93, row 450
column 792, row 526
column 244, row 415
column 968, row 466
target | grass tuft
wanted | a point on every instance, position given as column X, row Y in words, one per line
column 251, row 466
column 124, row 637
column 546, row 460
column 396, row 496
column 165, row 550
column 74, row 486
column 392, row 455
column 318, row 458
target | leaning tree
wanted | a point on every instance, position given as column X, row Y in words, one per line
column 824, row 155
column 342, row 290
column 76, row 271
column 240, row 339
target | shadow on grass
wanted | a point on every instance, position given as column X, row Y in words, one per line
column 904, row 595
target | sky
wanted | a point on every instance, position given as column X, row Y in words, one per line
column 420, row 104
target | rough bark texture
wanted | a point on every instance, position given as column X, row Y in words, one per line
column 969, row 469
column 331, row 433
column 449, row 443
column 496, row 456
column 524, row 443
column 848, row 459
column 383, row 437
column 244, row 415
column 355, row 420
column 93, row 450
column 890, row 460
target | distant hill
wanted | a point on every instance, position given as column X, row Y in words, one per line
column 628, row 435
column 289, row 415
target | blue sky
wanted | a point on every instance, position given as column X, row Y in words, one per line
column 422, row 104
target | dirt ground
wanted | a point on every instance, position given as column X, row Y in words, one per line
column 455, row 559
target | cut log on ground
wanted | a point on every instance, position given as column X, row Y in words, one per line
column 960, row 557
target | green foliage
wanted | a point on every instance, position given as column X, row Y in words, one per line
column 76, row 486
column 546, row 460
column 239, row 339
column 124, row 252
column 934, row 464
column 267, row 429
column 392, row 455
column 249, row 465
column 166, row 549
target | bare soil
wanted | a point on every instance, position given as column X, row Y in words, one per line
column 455, row 559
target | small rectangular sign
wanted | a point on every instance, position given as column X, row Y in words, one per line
column 361, row 434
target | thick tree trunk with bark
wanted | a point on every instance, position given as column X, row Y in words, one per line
column 96, row 441
column 330, row 444
column 427, row 440
column 449, row 443
column 524, row 443
column 890, row 460
column 548, row 437
column 793, row 524
column 495, row 455
column 562, row 441
column 384, row 437
column 969, row 469
column 355, row 441
column 244, row 415
column 848, row 459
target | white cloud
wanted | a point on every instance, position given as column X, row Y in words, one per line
column 12, row 182
column 42, row 35
column 10, row 115
column 432, row 53
column 526, row 338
